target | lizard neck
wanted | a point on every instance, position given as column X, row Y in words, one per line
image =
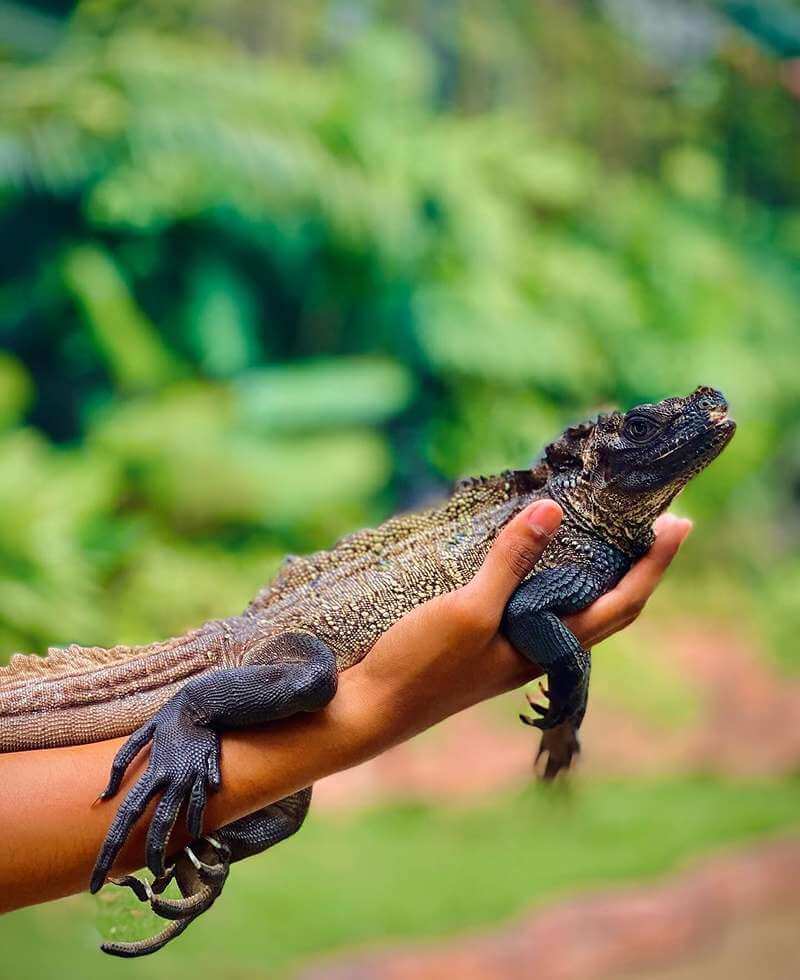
column 581, row 509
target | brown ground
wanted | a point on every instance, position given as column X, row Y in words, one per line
column 735, row 916
column 764, row 946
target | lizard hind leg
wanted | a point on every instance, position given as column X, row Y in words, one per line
column 201, row 869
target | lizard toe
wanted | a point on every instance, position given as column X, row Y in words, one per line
column 178, row 767
column 560, row 745
column 131, row 808
column 142, row 947
column 200, row 879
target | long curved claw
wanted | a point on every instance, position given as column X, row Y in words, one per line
column 184, row 908
column 140, row 888
column 210, row 873
column 210, row 861
column 142, row 947
column 541, row 709
column 200, row 879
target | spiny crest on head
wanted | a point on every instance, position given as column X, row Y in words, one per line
column 569, row 451
column 566, row 453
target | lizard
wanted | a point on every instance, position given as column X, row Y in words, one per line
column 322, row 613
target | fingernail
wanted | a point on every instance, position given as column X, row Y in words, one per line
column 544, row 517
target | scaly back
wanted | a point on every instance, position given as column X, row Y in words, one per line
column 351, row 594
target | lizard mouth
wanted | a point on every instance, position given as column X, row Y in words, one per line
column 705, row 446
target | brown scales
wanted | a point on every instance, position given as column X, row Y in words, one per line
column 347, row 596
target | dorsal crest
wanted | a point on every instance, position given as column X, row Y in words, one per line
column 566, row 453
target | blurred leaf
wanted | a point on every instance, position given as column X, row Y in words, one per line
column 16, row 390
column 170, row 586
column 488, row 330
column 48, row 586
column 221, row 317
column 198, row 471
column 694, row 174
column 324, row 393
column 130, row 344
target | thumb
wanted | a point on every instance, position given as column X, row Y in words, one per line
column 515, row 552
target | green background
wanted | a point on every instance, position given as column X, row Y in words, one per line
column 272, row 271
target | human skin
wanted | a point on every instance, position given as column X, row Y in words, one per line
column 444, row 656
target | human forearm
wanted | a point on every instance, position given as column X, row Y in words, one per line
column 51, row 833
column 441, row 658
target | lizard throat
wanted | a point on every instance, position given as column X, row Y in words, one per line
column 633, row 537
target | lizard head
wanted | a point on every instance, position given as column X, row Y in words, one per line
column 624, row 469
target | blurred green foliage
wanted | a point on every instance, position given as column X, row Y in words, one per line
column 271, row 272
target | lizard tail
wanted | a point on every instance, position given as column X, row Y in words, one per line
column 85, row 694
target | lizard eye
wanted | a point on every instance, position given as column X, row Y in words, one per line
column 705, row 403
column 639, row 429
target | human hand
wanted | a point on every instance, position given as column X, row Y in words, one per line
column 623, row 605
column 442, row 657
column 449, row 653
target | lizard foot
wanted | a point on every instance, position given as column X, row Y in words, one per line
column 561, row 745
column 200, row 871
column 559, row 722
column 183, row 766
column 567, row 694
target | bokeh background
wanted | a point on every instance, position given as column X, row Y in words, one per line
column 271, row 271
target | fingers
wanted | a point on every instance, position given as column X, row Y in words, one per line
column 641, row 581
column 131, row 808
column 180, row 908
column 516, row 550
column 620, row 607
column 125, row 757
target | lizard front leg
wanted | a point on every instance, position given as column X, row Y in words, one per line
column 202, row 869
column 532, row 626
column 280, row 676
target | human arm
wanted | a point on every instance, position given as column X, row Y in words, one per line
column 443, row 657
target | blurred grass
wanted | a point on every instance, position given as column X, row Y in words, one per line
column 412, row 871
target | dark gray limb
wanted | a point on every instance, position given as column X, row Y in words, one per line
column 280, row 676
column 265, row 828
column 202, row 869
column 532, row 626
